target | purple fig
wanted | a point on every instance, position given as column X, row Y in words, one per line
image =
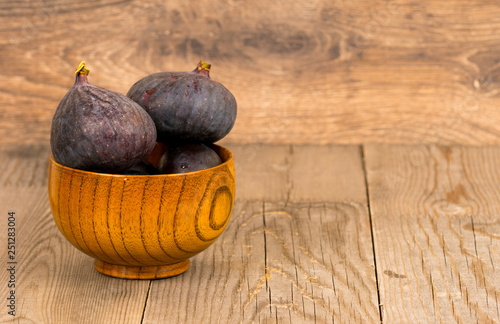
column 188, row 157
column 186, row 106
column 99, row 130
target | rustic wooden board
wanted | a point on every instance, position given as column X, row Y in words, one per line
column 302, row 255
column 436, row 224
column 297, row 172
column 55, row 283
column 302, row 72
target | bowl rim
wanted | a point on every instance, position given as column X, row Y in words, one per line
column 224, row 164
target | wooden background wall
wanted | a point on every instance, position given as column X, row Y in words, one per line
column 313, row 71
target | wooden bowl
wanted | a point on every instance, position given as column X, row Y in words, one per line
column 142, row 226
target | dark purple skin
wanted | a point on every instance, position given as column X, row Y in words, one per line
column 187, row 158
column 99, row 130
column 143, row 168
column 186, row 106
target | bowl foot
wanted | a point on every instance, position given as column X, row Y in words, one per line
column 134, row 272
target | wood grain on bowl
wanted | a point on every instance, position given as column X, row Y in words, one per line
column 142, row 226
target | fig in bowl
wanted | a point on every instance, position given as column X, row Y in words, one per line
column 95, row 129
column 186, row 106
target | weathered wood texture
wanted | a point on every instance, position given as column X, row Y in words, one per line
column 55, row 283
column 436, row 224
column 302, row 72
column 302, row 255
column 296, row 250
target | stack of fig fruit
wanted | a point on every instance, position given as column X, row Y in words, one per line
column 99, row 130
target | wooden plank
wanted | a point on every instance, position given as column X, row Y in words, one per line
column 55, row 283
column 274, row 172
column 435, row 213
column 303, row 72
column 295, row 258
column 255, row 182
column 24, row 165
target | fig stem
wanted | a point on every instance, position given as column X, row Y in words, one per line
column 82, row 69
column 203, row 68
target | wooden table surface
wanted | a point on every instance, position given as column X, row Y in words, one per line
column 403, row 234
column 323, row 71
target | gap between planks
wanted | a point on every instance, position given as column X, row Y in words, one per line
column 300, row 221
column 367, row 188
column 435, row 225
column 429, row 268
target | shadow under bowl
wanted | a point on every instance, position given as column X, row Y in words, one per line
column 142, row 226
